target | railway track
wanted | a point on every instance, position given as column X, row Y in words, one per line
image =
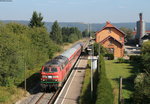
column 48, row 98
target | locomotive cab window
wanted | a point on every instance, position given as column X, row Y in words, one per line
column 53, row 69
column 46, row 70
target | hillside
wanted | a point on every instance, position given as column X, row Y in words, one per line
column 81, row 26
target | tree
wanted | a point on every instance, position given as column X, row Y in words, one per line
column 56, row 33
column 141, row 94
column 20, row 44
column 36, row 20
column 146, row 56
column 65, row 33
column 128, row 33
column 85, row 33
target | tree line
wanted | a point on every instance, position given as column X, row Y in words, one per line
column 29, row 46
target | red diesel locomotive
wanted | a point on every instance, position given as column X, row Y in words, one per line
column 54, row 72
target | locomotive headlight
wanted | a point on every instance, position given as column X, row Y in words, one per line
column 55, row 76
column 49, row 77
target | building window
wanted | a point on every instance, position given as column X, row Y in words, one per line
column 110, row 42
column 120, row 38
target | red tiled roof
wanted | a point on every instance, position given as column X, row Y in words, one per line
column 134, row 32
column 109, row 25
column 148, row 31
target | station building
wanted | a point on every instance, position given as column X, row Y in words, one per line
column 111, row 38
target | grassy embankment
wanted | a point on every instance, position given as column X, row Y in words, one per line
column 9, row 95
column 85, row 95
column 113, row 71
column 86, row 87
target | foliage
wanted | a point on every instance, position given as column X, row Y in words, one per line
column 71, row 34
column 120, row 60
column 146, row 56
column 22, row 47
column 86, row 92
column 36, row 20
column 128, row 32
column 142, row 82
column 135, row 58
column 146, row 47
column 56, row 33
column 104, row 90
column 103, row 50
column 110, row 56
column 85, row 97
column 85, row 33
column 146, row 62
column 142, row 89
column 113, row 71
column 9, row 95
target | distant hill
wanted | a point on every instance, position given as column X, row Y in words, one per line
column 82, row 26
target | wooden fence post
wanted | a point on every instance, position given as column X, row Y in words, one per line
column 120, row 91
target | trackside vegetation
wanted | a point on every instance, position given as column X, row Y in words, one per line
column 104, row 89
column 141, row 94
column 102, row 93
column 24, row 49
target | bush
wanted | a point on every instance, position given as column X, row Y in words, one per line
column 135, row 58
column 102, row 49
column 104, row 90
column 110, row 56
column 120, row 60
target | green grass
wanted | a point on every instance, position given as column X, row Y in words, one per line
column 113, row 71
column 9, row 95
column 85, row 96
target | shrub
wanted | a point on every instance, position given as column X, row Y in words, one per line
column 102, row 49
column 120, row 60
column 104, row 91
column 135, row 58
column 110, row 56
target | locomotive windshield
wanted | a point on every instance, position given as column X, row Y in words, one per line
column 50, row 70
column 46, row 70
column 53, row 69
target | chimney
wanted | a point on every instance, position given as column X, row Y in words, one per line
column 141, row 27
column 141, row 17
column 107, row 22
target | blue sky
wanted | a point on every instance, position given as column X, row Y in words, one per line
column 87, row 11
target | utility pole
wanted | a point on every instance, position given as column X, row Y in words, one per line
column 92, row 53
column 25, row 76
column 98, row 57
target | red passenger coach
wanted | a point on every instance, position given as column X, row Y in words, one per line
column 55, row 71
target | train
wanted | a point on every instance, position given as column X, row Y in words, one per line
column 56, row 71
